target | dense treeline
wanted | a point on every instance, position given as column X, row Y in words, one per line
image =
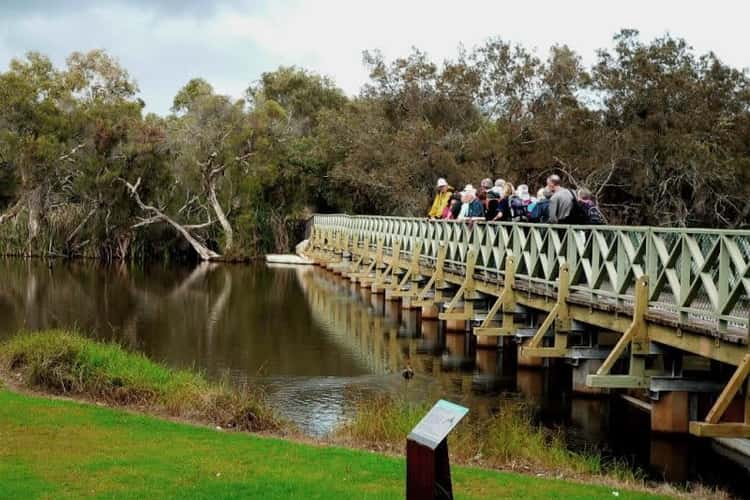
column 661, row 136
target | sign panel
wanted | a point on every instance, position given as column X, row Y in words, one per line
column 438, row 423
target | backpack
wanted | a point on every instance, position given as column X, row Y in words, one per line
column 540, row 212
column 595, row 216
column 578, row 212
column 519, row 211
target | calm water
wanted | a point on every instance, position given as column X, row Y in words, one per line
column 314, row 340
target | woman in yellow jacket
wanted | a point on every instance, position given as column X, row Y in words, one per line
column 444, row 192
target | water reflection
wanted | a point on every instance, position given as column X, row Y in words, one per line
column 314, row 341
column 241, row 321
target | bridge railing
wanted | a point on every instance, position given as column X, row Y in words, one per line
column 695, row 275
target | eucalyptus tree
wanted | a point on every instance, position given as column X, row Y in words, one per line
column 287, row 173
column 682, row 124
column 209, row 135
column 60, row 133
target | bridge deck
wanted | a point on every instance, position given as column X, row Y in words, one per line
column 699, row 279
column 686, row 290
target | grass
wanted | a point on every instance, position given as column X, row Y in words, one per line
column 63, row 449
column 66, row 363
column 53, row 448
column 506, row 439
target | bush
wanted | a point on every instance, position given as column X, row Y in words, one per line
column 508, row 438
column 67, row 363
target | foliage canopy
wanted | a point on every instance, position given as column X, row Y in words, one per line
column 659, row 133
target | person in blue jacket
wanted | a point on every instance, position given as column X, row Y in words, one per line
column 471, row 207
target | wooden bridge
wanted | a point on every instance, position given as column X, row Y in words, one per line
column 657, row 312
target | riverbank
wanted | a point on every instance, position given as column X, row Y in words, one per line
column 506, row 439
column 65, row 449
column 63, row 363
column 66, row 363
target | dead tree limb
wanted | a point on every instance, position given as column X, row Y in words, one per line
column 13, row 211
column 80, row 226
column 210, row 175
column 202, row 250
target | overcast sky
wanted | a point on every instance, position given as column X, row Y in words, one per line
column 164, row 43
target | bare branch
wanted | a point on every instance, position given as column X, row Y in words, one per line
column 566, row 170
column 80, row 226
column 13, row 211
column 204, row 252
column 69, row 156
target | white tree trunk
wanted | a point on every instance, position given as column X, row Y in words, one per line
column 225, row 225
column 202, row 250
column 35, row 213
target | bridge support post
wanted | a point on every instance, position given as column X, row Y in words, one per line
column 322, row 238
column 376, row 267
column 456, row 319
column 585, row 368
column 369, row 259
column 360, row 261
column 390, row 273
column 356, row 257
column 408, row 286
column 436, row 283
column 671, row 412
column 505, row 302
column 344, row 253
column 636, row 336
column 712, row 426
column 560, row 317
column 334, row 248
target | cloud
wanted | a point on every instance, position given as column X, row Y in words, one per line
column 231, row 42
column 331, row 34
column 161, row 51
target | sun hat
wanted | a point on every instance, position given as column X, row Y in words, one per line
column 500, row 183
column 469, row 189
column 441, row 182
column 522, row 191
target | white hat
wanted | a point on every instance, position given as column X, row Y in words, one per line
column 500, row 183
column 522, row 191
column 469, row 189
column 442, row 182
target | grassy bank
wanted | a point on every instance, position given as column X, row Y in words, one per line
column 90, row 441
column 66, row 363
column 63, row 449
column 507, row 439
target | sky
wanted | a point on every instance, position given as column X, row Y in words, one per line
column 230, row 43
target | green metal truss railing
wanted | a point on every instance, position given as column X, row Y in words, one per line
column 696, row 276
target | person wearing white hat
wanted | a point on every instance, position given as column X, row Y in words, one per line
column 522, row 191
column 442, row 198
column 471, row 207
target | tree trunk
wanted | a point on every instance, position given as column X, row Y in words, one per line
column 203, row 251
column 35, row 214
column 225, row 225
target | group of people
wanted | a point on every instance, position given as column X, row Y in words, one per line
column 501, row 201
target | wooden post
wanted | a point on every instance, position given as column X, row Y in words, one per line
column 559, row 317
column 428, row 472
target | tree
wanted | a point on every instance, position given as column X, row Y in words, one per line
column 659, row 133
column 676, row 117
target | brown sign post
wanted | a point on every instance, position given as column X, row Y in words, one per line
column 428, row 473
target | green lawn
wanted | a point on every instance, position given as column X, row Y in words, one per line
column 58, row 449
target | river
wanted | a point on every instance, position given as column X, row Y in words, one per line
column 312, row 341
